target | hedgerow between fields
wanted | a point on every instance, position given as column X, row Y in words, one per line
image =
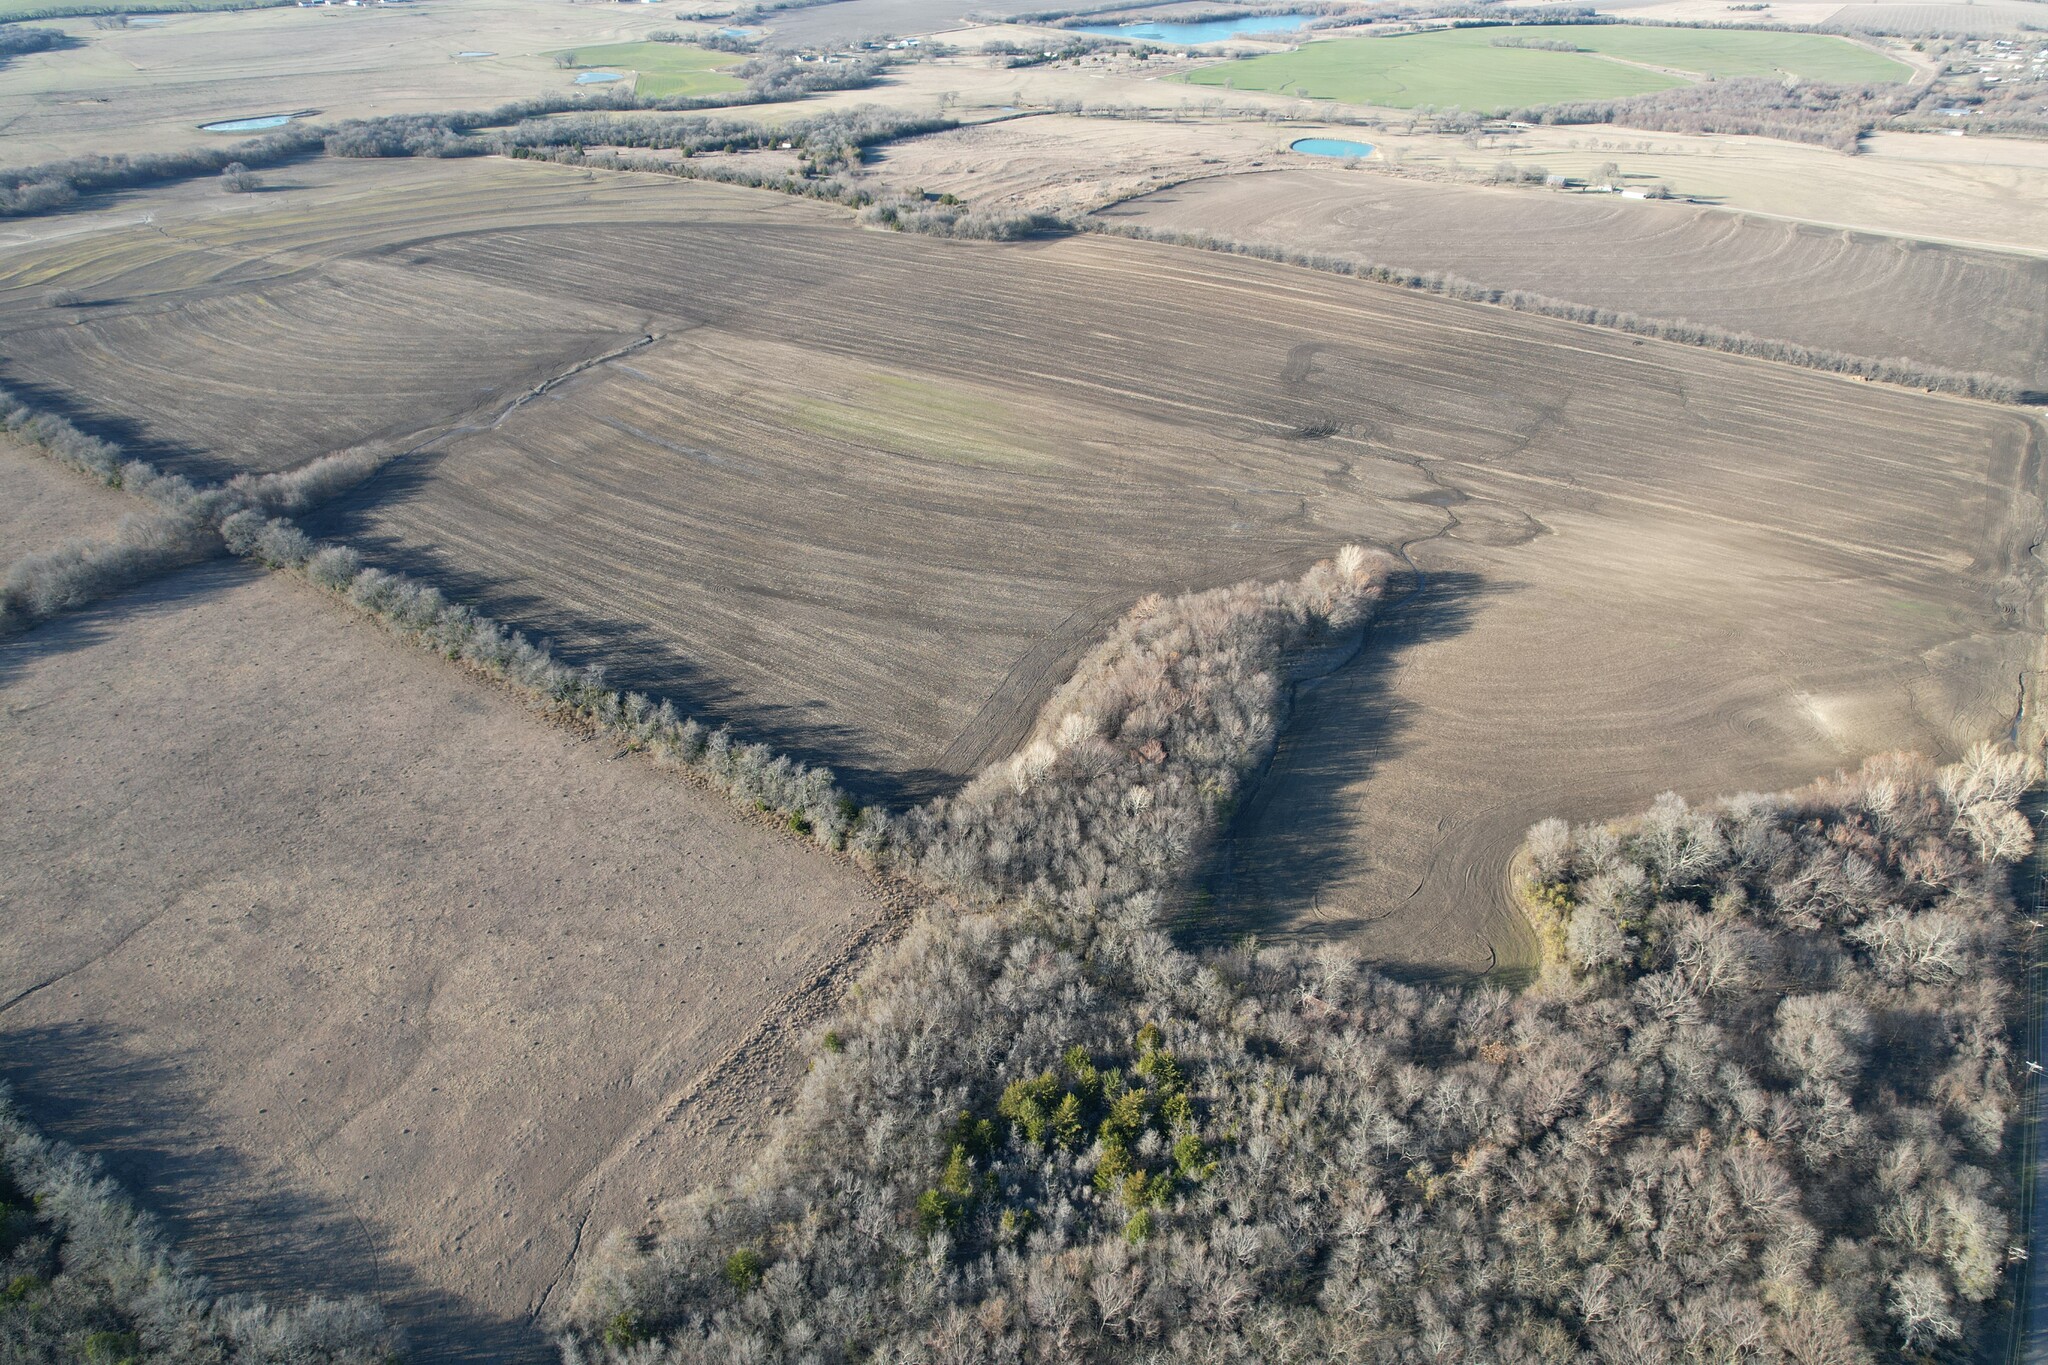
column 250, row 516
column 85, row 1277
column 1906, row 372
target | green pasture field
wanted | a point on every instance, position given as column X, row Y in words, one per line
column 1463, row 67
column 665, row 69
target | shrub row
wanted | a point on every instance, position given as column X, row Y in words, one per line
column 806, row 798
column 192, row 525
column 1902, row 371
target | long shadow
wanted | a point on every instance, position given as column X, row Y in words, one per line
column 634, row 656
column 135, row 439
column 1290, row 839
column 135, row 1112
column 101, row 621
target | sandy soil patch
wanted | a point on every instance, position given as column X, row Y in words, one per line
column 1946, row 307
column 366, row 977
column 42, row 505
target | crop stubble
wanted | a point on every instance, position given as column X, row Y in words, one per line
column 1883, row 297
column 867, row 495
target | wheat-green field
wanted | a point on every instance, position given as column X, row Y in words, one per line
column 664, row 69
column 1467, row 68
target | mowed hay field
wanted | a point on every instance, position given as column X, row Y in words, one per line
column 368, row 979
column 1945, row 307
column 868, row 495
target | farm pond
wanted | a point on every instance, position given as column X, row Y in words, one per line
column 1338, row 147
column 248, row 125
column 1203, row 31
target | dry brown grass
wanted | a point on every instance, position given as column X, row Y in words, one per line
column 367, row 979
column 43, row 505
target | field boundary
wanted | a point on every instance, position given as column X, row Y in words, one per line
column 1902, row 372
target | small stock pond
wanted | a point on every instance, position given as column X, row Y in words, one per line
column 596, row 77
column 1331, row 146
column 248, row 125
column 1195, row 34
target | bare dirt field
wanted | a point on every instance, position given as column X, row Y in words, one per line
column 42, row 506
column 367, row 978
column 865, row 495
column 1946, row 307
column 148, row 87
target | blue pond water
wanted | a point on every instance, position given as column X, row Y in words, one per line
column 476, row 54
column 594, row 77
column 1330, row 146
column 1193, row 35
column 246, row 125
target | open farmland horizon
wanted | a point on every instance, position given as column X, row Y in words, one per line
column 610, row 760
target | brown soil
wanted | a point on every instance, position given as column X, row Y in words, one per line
column 1947, row 307
column 366, row 977
column 867, row 495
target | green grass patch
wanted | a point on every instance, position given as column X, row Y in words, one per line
column 664, row 69
column 1464, row 67
column 1734, row 52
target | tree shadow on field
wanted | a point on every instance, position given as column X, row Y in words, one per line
column 635, row 656
column 137, row 442
column 1293, row 836
column 240, row 1226
column 100, row 622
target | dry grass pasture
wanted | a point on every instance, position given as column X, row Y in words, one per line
column 1947, row 307
column 363, row 976
column 42, row 505
column 865, row 495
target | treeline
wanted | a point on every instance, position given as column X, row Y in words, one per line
column 97, row 11
column 250, row 516
column 85, row 1276
column 1134, row 761
column 915, row 213
column 806, row 799
column 1815, row 112
column 824, row 144
column 1757, row 1111
column 188, row 526
column 55, row 185
column 17, row 40
column 1901, row 371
